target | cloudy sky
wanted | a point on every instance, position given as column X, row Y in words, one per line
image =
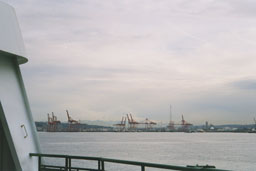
column 103, row 59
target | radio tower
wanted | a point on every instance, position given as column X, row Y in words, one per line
column 171, row 123
column 170, row 113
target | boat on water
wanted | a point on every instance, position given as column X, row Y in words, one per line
column 19, row 144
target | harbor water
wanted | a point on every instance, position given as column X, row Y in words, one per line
column 233, row 151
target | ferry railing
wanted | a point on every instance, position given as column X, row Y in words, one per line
column 101, row 164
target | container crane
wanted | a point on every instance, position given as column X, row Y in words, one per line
column 121, row 126
column 149, row 124
column 52, row 123
column 73, row 125
column 70, row 120
column 185, row 125
column 54, row 119
column 132, row 123
column 55, row 122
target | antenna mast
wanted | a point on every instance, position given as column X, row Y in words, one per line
column 170, row 113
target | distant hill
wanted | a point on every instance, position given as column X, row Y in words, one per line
column 239, row 126
column 42, row 126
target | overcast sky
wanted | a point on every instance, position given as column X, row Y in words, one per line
column 103, row 59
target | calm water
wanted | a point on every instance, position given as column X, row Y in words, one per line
column 224, row 150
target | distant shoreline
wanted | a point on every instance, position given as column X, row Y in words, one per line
column 65, row 127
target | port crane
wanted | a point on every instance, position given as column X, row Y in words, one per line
column 132, row 123
column 149, row 124
column 54, row 119
column 185, row 125
column 53, row 123
column 73, row 125
column 49, row 125
column 70, row 120
column 122, row 124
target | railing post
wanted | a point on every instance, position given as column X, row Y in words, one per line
column 102, row 165
column 39, row 163
column 98, row 164
column 142, row 168
column 69, row 160
column 66, row 163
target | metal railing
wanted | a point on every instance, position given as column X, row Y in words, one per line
column 101, row 164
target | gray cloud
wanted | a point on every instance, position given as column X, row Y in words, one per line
column 245, row 84
column 101, row 59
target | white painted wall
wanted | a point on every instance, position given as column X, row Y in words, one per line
column 14, row 106
column 10, row 36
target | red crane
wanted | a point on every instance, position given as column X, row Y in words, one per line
column 132, row 120
column 55, row 122
column 49, row 119
column 185, row 125
column 121, row 126
column 132, row 123
column 52, row 123
column 73, row 125
column 54, row 119
column 70, row 120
